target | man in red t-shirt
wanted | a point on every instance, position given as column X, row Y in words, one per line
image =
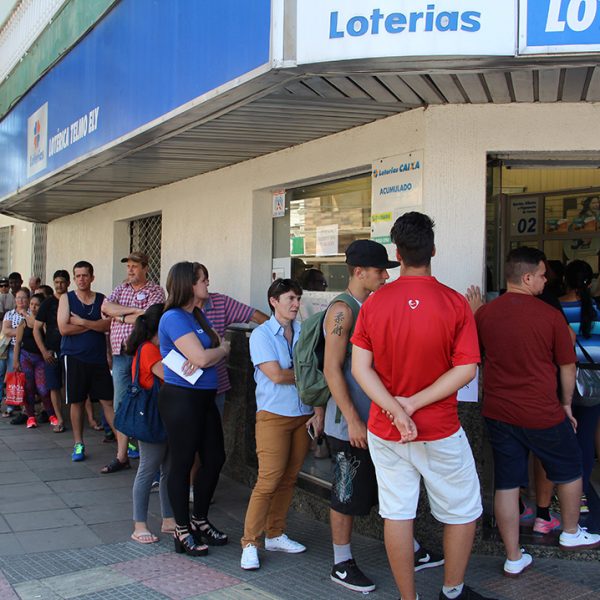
column 524, row 341
column 415, row 346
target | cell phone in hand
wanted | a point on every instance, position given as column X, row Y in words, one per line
column 311, row 432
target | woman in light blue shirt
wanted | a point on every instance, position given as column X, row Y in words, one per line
column 282, row 421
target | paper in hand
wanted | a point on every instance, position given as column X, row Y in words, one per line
column 175, row 362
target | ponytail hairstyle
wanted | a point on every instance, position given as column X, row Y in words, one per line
column 144, row 328
column 578, row 277
column 181, row 280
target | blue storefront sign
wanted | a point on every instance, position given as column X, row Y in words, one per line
column 559, row 26
column 141, row 62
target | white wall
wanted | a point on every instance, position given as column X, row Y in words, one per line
column 223, row 218
column 21, row 246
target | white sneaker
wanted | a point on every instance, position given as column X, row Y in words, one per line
column 581, row 540
column 250, row 560
column 282, row 543
column 513, row 568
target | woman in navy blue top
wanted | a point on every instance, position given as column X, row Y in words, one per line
column 583, row 316
column 188, row 410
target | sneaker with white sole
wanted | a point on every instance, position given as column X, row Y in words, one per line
column 249, row 561
column 427, row 560
column 581, row 540
column 350, row 576
column 282, row 543
column 513, row 568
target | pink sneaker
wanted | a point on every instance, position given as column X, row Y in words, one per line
column 31, row 423
column 526, row 516
column 542, row 526
column 53, row 421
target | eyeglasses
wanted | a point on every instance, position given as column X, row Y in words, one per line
column 3, row 285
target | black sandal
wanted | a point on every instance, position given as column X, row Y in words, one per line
column 204, row 530
column 186, row 543
column 115, row 465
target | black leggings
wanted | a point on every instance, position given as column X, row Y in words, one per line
column 193, row 425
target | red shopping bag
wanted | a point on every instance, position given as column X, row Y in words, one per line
column 15, row 388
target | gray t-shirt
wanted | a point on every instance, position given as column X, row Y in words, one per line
column 335, row 424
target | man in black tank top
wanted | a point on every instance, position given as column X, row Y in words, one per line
column 83, row 350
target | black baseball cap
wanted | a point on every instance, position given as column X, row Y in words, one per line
column 367, row 253
column 3, row 281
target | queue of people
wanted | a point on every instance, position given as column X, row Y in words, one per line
column 395, row 357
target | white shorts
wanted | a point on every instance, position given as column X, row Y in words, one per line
column 448, row 471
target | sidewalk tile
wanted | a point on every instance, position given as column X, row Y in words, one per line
column 21, row 476
column 135, row 591
column 10, row 545
column 175, row 576
column 19, row 491
column 44, row 519
column 116, row 531
column 35, row 503
column 62, row 538
column 4, row 527
column 108, row 513
column 69, row 471
column 72, row 585
column 243, row 591
column 6, row 591
column 34, row 590
column 93, row 481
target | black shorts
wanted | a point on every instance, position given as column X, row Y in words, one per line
column 354, row 488
column 86, row 379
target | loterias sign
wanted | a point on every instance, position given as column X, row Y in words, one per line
column 332, row 30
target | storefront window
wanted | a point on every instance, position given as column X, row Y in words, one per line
column 554, row 209
column 323, row 220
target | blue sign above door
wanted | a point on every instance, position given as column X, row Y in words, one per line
column 559, row 26
column 143, row 60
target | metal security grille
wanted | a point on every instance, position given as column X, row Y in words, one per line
column 5, row 247
column 145, row 236
column 38, row 253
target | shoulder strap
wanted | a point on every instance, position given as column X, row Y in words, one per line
column 138, row 356
column 585, row 353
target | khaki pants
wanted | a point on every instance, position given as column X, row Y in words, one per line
column 281, row 447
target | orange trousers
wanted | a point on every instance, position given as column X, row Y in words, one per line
column 281, row 447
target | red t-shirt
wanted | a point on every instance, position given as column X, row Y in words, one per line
column 523, row 340
column 149, row 356
column 417, row 329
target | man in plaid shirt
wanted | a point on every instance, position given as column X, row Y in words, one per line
column 123, row 306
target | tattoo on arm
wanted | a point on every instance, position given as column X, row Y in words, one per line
column 338, row 320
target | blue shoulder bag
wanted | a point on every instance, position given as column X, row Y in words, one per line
column 137, row 415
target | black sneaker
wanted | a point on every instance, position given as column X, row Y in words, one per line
column 20, row 419
column 427, row 560
column 350, row 576
column 466, row 594
column 43, row 417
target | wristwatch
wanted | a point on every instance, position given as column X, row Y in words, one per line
column 122, row 318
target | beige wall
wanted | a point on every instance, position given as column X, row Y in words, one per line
column 223, row 218
column 21, row 246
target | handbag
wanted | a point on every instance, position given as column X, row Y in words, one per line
column 588, row 381
column 15, row 388
column 137, row 415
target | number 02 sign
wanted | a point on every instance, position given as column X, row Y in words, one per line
column 524, row 218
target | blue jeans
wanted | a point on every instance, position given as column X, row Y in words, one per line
column 121, row 374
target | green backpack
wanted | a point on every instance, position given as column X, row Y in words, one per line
column 309, row 355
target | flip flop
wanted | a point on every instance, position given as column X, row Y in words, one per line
column 144, row 537
column 164, row 530
column 97, row 427
column 115, row 465
column 60, row 428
